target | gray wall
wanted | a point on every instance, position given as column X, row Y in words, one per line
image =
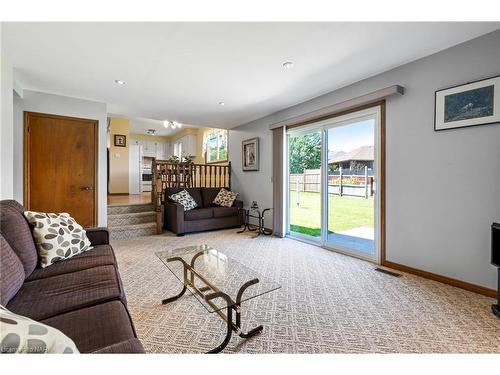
column 61, row 105
column 6, row 127
column 439, row 214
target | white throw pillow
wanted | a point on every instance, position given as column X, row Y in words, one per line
column 225, row 198
column 57, row 236
column 184, row 198
column 19, row 334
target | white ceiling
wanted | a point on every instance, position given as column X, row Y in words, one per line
column 181, row 71
column 141, row 125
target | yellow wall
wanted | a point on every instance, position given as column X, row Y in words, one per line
column 151, row 138
column 183, row 132
column 118, row 157
column 200, row 156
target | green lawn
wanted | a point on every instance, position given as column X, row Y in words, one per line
column 343, row 213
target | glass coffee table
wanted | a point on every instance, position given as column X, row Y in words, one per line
column 218, row 282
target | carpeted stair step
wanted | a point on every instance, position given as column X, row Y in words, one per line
column 125, row 232
column 130, row 209
column 115, row 220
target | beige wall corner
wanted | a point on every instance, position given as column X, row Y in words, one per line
column 118, row 157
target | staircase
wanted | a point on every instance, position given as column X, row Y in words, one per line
column 129, row 221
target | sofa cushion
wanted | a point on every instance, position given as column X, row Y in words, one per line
column 193, row 192
column 95, row 327
column 101, row 255
column 44, row 298
column 131, row 346
column 225, row 198
column 209, row 195
column 57, row 236
column 225, row 211
column 11, row 272
column 198, row 214
column 20, row 334
column 184, row 198
column 17, row 232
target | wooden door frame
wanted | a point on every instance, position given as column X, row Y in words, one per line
column 27, row 157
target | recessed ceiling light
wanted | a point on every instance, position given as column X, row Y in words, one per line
column 288, row 65
column 222, row 103
column 119, row 82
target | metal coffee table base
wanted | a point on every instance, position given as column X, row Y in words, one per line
column 212, row 294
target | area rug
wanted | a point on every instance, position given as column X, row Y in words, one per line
column 327, row 303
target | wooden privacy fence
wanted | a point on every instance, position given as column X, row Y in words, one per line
column 176, row 175
column 358, row 183
column 309, row 181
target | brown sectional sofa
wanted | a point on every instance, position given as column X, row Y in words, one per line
column 206, row 216
column 82, row 296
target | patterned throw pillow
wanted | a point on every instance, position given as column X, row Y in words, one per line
column 184, row 198
column 23, row 335
column 57, row 236
column 225, row 198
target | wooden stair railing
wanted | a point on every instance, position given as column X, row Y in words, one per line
column 170, row 175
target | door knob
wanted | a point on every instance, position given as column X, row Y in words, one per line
column 87, row 188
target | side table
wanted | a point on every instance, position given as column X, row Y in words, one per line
column 256, row 213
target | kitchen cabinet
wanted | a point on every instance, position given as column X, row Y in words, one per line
column 149, row 149
column 152, row 149
column 185, row 146
column 162, row 150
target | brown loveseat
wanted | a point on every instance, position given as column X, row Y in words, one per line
column 81, row 296
column 206, row 216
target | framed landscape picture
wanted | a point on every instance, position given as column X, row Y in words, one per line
column 250, row 154
column 471, row 104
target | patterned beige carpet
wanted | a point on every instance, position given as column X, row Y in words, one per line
column 328, row 303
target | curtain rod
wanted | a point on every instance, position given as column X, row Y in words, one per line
column 342, row 106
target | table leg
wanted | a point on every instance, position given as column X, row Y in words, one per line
column 245, row 224
column 228, row 318
column 236, row 326
column 255, row 330
column 171, row 299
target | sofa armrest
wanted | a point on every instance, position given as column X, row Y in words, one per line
column 241, row 213
column 98, row 236
column 174, row 217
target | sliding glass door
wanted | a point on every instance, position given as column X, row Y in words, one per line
column 332, row 183
column 351, row 186
column 304, row 184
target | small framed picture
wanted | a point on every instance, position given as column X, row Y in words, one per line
column 120, row 140
column 250, row 154
column 470, row 104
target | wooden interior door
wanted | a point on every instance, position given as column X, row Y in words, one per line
column 60, row 166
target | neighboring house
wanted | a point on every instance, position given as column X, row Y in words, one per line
column 355, row 159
